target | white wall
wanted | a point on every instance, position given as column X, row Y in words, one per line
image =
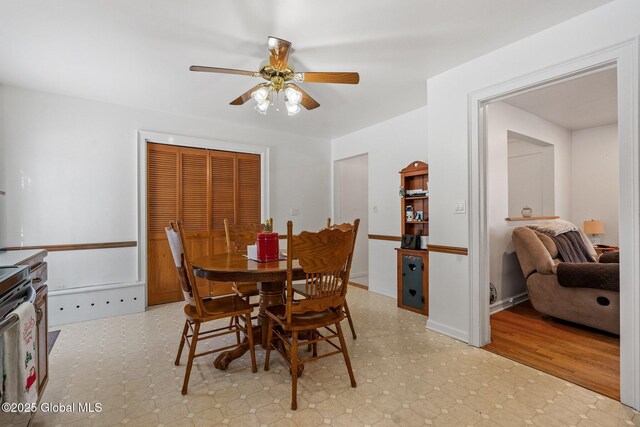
column 531, row 177
column 351, row 201
column 502, row 121
column 449, row 137
column 391, row 146
column 595, row 174
column 71, row 168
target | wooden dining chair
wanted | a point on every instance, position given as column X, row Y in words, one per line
column 198, row 311
column 300, row 288
column 325, row 258
column 239, row 236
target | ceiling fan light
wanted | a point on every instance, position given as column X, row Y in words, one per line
column 260, row 95
column 292, row 109
column 293, row 96
column 262, row 107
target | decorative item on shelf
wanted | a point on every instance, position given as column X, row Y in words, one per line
column 419, row 216
column 416, row 193
column 424, row 242
column 267, row 243
column 411, row 241
column 527, row 212
column 409, row 213
column 594, row 227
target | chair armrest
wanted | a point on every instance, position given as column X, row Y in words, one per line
column 589, row 275
column 610, row 257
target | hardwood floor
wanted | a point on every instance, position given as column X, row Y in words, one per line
column 581, row 355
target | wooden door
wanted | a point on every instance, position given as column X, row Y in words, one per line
column 201, row 187
column 195, row 206
column 163, row 189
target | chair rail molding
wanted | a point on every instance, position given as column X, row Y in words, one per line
column 623, row 56
column 145, row 136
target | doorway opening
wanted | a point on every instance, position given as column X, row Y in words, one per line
column 553, row 169
column 351, row 201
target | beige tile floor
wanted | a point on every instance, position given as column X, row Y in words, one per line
column 406, row 376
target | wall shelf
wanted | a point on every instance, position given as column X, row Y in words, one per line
column 531, row 218
column 413, row 264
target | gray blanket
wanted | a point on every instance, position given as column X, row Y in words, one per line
column 571, row 247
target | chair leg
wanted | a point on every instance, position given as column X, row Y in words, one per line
column 315, row 344
column 252, row 350
column 237, row 322
column 346, row 310
column 294, row 371
column 345, row 353
column 231, row 321
column 183, row 338
column 192, row 352
column 268, row 352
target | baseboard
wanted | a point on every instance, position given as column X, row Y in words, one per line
column 507, row 303
column 358, row 285
column 447, row 330
column 95, row 302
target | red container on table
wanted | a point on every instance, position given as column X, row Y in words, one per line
column 268, row 247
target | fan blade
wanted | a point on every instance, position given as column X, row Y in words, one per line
column 245, row 96
column 307, row 101
column 224, row 71
column 346, row 78
column 278, row 53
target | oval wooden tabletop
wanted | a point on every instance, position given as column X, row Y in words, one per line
column 234, row 267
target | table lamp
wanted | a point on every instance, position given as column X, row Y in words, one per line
column 594, row 227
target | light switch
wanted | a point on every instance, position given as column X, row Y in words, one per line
column 460, row 207
column 295, row 211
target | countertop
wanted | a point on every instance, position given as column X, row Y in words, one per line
column 17, row 257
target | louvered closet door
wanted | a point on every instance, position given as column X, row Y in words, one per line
column 201, row 187
column 195, row 201
column 163, row 181
column 248, row 189
column 223, row 200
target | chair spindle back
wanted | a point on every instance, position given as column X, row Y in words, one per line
column 239, row 236
column 325, row 259
column 175, row 235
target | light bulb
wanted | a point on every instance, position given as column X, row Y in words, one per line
column 260, row 95
column 262, row 107
column 293, row 96
column 292, row 109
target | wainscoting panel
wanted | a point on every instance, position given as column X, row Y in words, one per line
column 92, row 267
column 95, row 302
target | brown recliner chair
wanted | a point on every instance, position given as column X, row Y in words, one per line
column 538, row 257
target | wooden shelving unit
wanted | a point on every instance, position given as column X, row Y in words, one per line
column 413, row 264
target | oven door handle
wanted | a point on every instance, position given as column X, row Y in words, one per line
column 31, row 295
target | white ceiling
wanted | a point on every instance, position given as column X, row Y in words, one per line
column 579, row 103
column 137, row 52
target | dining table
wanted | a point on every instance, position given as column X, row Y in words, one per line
column 270, row 278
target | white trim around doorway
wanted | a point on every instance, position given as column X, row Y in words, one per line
column 625, row 58
column 186, row 141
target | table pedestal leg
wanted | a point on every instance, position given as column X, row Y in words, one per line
column 271, row 293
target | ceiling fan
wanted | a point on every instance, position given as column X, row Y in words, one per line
column 281, row 77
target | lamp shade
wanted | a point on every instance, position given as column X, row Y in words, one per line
column 595, row 226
